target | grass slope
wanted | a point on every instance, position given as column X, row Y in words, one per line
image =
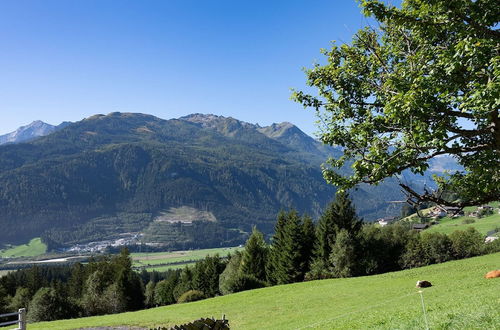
column 483, row 225
column 448, row 225
column 460, row 299
column 35, row 247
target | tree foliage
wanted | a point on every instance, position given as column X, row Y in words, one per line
column 289, row 260
column 339, row 214
column 423, row 84
column 255, row 256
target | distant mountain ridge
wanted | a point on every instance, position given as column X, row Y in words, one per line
column 113, row 175
column 31, row 131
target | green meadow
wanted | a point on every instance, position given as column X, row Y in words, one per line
column 34, row 248
column 483, row 225
column 448, row 225
column 460, row 298
column 161, row 261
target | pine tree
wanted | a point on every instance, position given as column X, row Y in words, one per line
column 308, row 240
column 255, row 256
column 276, row 247
column 345, row 215
column 325, row 234
column 76, row 281
column 185, row 282
column 288, row 260
column 4, row 301
column 339, row 214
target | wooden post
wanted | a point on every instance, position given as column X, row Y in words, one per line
column 22, row 318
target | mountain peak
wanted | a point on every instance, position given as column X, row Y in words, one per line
column 28, row 132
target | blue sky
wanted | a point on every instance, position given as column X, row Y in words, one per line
column 67, row 60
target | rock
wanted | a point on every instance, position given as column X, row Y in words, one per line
column 423, row 284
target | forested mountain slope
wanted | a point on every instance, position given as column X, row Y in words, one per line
column 113, row 174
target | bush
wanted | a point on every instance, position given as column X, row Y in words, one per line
column 467, row 243
column 243, row 282
column 468, row 221
column 319, row 271
column 164, row 291
column 191, row 295
column 47, row 305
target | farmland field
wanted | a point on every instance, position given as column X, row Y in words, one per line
column 162, row 261
column 460, row 298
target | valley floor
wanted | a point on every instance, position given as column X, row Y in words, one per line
column 461, row 298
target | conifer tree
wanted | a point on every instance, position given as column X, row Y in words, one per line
column 288, row 261
column 308, row 240
column 255, row 256
column 185, row 282
column 4, row 301
column 339, row 214
column 276, row 247
column 325, row 234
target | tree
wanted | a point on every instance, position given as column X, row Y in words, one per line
column 255, row 256
column 21, row 299
column 4, row 300
column 164, row 291
column 467, row 243
column 426, row 83
column 276, row 247
column 339, row 214
column 343, row 256
column 93, row 301
column 47, row 305
column 185, row 282
column 288, row 262
column 149, row 294
column 231, row 271
column 308, row 239
column 206, row 274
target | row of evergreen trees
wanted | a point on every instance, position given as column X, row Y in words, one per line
column 340, row 245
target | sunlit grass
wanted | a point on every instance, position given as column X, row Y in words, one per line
column 460, row 298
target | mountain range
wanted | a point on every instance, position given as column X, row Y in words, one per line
column 197, row 181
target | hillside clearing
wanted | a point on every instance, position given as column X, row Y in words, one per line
column 34, row 248
column 460, row 298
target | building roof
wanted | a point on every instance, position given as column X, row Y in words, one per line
column 420, row 226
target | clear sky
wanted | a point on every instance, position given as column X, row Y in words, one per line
column 64, row 60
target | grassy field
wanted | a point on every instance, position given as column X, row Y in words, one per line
column 459, row 299
column 448, row 225
column 483, row 225
column 34, row 248
column 162, row 261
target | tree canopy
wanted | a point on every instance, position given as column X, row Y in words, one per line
column 423, row 83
